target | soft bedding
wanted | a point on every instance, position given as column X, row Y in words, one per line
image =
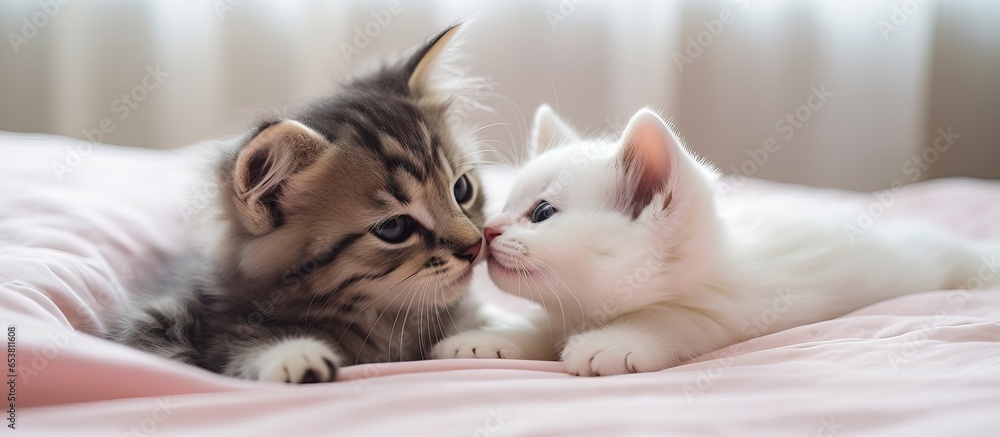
column 81, row 224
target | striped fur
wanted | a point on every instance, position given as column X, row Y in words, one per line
column 294, row 280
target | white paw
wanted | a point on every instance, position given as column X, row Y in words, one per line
column 479, row 344
column 613, row 352
column 298, row 361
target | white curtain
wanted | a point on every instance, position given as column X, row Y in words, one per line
column 883, row 77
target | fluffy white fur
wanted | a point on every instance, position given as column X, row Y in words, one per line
column 644, row 266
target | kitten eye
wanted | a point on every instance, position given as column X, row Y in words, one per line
column 462, row 189
column 395, row 230
column 542, row 212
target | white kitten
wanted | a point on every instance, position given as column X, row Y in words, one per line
column 640, row 266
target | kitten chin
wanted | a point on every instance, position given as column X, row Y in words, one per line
column 638, row 264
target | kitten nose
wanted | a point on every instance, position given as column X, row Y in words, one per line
column 470, row 253
column 491, row 233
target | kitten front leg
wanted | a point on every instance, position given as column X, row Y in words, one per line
column 526, row 343
column 298, row 361
column 291, row 358
column 643, row 341
column 617, row 349
column 501, row 335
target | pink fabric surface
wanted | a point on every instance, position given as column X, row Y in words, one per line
column 70, row 244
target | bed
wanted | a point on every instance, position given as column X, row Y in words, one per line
column 79, row 222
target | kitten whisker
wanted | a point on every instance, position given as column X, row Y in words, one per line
column 521, row 268
column 505, row 165
column 402, row 328
column 487, row 126
column 506, row 147
column 579, row 304
column 451, row 318
column 375, row 323
column 504, row 160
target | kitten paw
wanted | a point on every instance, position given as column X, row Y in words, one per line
column 479, row 344
column 298, row 361
column 610, row 352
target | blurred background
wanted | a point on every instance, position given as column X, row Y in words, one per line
column 857, row 94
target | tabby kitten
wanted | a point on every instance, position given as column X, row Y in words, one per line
column 344, row 234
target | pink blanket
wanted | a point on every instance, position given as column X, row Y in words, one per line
column 78, row 224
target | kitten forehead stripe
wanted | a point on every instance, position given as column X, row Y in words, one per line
column 394, row 163
column 395, row 189
column 322, row 260
column 355, row 278
column 405, row 116
column 428, row 137
column 364, row 132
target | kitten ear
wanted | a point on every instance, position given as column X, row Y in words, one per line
column 550, row 131
column 263, row 168
column 649, row 157
column 428, row 58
